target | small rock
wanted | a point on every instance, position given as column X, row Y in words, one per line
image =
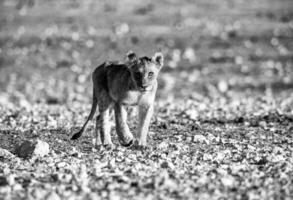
column 200, row 139
column 163, row 145
column 28, row 149
column 41, row 148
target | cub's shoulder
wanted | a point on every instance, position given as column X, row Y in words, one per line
column 112, row 72
column 108, row 66
column 112, row 63
column 114, row 68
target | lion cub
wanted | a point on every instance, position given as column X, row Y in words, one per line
column 120, row 85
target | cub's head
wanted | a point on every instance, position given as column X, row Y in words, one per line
column 144, row 70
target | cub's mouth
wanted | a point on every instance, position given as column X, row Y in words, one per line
column 145, row 88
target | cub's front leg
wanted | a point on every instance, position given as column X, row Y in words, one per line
column 124, row 135
column 145, row 112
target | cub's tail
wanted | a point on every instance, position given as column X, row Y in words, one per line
column 93, row 110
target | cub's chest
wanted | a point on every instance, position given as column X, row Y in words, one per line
column 131, row 98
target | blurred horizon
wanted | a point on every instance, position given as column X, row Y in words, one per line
column 50, row 48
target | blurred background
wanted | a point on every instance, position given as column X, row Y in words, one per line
column 216, row 52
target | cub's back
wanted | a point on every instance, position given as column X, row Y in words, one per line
column 112, row 76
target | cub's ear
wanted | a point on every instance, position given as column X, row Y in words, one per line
column 158, row 59
column 130, row 57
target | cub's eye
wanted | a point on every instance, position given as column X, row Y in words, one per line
column 151, row 74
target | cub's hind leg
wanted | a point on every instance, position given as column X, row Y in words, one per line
column 98, row 140
column 97, row 136
column 124, row 135
column 105, row 128
column 103, row 122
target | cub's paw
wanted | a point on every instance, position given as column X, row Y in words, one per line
column 127, row 144
column 141, row 147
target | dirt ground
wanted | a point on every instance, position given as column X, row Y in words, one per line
column 223, row 121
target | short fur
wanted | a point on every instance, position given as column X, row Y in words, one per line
column 116, row 85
